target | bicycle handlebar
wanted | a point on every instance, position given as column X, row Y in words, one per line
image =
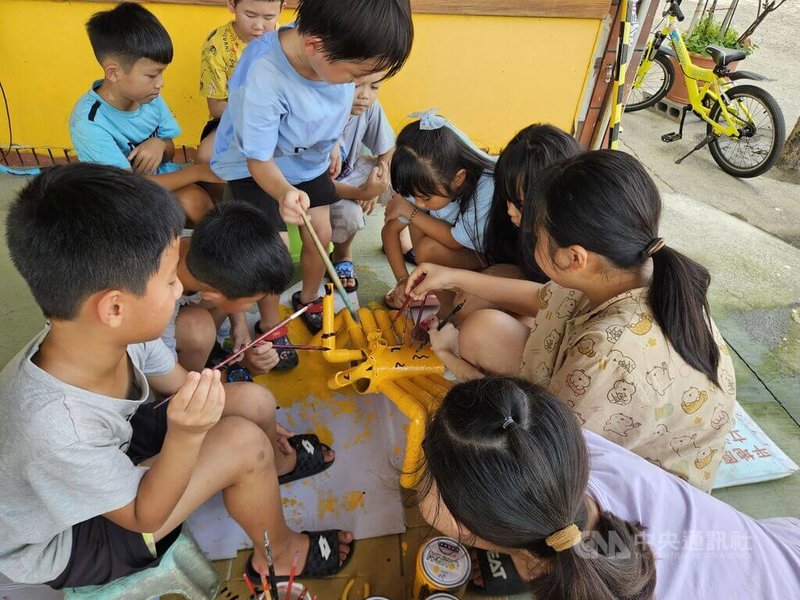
column 675, row 9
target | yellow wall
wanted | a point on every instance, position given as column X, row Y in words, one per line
column 490, row 75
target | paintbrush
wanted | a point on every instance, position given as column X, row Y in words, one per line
column 250, row 585
column 452, row 314
column 299, row 347
column 292, row 571
column 243, row 349
column 329, row 267
column 303, row 593
column 409, row 299
column 271, row 567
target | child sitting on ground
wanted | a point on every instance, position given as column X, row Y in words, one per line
column 579, row 517
column 123, row 120
column 364, row 179
column 450, row 183
column 289, row 100
column 220, row 53
column 622, row 333
column 97, row 480
column 519, row 165
column 232, row 260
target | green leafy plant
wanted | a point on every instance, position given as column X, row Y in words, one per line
column 708, row 32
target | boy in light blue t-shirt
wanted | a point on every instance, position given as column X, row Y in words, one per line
column 288, row 102
column 123, row 121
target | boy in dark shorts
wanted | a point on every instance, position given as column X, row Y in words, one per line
column 96, row 480
column 288, row 102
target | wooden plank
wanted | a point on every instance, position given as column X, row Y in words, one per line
column 569, row 9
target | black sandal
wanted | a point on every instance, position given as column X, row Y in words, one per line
column 500, row 577
column 313, row 316
column 322, row 559
column 310, row 458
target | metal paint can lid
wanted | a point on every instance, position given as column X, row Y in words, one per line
column 442, row 596
column 445, row 563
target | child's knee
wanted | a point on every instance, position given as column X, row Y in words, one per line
column 195, row 329
column 259, row 400
column 195, row 201
column 246, row 443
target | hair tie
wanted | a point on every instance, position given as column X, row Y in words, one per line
column 508, row 422
column 654, row 246
column 564, row 539
column 430, row 120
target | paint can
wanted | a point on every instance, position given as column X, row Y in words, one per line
column 443, row 565
column 283, row 586
column 442, row 596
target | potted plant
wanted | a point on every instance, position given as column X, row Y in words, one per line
column 707, row 32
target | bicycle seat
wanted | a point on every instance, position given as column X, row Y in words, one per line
column 724, row 56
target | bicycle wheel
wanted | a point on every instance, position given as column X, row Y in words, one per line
column 761, row 136
column 654, row 85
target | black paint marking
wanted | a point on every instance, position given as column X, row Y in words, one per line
column 397, row 365
column 394, row 349
column 420, row 356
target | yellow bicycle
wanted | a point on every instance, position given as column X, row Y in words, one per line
column 745, row 130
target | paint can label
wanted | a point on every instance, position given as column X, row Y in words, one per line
column 442, row 565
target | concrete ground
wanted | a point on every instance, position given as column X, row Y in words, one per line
column 770, row 202
column 755, row 297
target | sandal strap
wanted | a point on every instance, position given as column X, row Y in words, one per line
column 313, row 307
column 323, row 554
column 344, row 269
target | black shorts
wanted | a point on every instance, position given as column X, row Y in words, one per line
column 321, row 192
column 102, row 550
column 209, row 127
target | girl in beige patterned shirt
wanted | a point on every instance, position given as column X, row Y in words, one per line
column 622, row 333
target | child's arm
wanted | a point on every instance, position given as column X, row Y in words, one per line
column 516, row 295
column 148, row 156
column 377, row 182
column 183, row 177
column 196, row 408
column 216, row 106
column 390, row 236
column 434, row 228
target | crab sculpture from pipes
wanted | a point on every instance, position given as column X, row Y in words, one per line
column 379, row 359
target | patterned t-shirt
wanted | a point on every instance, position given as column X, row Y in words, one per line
column 221, row 51
column 614, row 366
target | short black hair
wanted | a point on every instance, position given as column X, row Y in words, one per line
column 129, row 32
column 78, row 229
column 236, row 250
column 360, row 30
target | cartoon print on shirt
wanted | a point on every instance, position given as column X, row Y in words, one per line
column 567, row 308
column 625, row 363
column 552, row 340
column 622, row 392
column 682, row 442
column 614, row 332
column 578, row 381
column 720, row 418
column 659, row 378
column 704, row 458
column 543, row 373
column 728, row 382
column 642, row 325
column 693, row 399
column 544, row 297
column 586, row 347
column 620, row 424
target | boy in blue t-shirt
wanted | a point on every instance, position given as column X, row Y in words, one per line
column 122, row 120
column 288, row 102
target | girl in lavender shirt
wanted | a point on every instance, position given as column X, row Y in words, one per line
column 567, row 514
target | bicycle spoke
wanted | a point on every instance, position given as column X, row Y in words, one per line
column 752, row 147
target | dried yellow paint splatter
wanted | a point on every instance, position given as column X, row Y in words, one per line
column 354, row 500
column 326, row 503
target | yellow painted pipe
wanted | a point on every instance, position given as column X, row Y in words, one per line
column 417, row 421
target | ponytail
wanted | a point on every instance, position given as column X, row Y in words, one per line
column 502, row 433
column 614, row 564
column 606, row 202
column 677, row 297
